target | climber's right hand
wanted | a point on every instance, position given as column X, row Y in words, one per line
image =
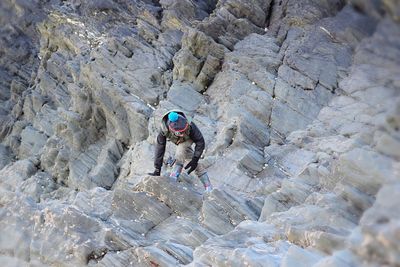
column 156, row 172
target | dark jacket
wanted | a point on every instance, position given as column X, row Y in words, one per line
column 193, row 133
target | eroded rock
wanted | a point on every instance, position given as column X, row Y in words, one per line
column 298, row 103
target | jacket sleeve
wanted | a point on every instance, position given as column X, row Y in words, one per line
column 197, row 138
column 160, row 150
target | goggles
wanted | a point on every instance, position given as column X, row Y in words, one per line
column 178, row 127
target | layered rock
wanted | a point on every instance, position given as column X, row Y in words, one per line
column 298, row 102
column 350, row 170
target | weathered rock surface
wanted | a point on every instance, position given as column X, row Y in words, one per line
column 298, row 101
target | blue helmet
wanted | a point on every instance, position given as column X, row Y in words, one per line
column 173, row 116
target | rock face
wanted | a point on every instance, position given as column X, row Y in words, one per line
column 298, row 101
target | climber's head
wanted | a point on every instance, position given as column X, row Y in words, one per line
column 177, row 124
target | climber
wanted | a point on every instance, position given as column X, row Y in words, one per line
column 177, row 128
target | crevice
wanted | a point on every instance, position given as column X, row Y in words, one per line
column 156, row 3
column 269, row 14
column 272, row 107
column 159, row 11
column 97, row 255
column 212, row 5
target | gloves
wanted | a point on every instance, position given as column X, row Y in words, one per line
column 156, row 172
column 192, row 165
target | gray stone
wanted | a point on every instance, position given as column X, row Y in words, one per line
column 199, row 59
column 135, row 162
column 58, row 225
column 234, row 20
column 177, row 15
column 95, row 202
column 225, row 172
column 387, row 144
column 371, row 7
column 380, row 227
column 55, row 159
column 355, row 166
column 291, row 192
column 291, row 13
column 5, row 156
column 137, row 212
column 83, row 83
column 285, row 120
column 334, row 203
column 222, row 211
column 119, row 259
column 252, row 162
column 32, row 141
column 17, row 225
column 167, row 191
column 38, row 186
column 80, row 167
column 12, row 262
column 349, row 30
column 148, row 31
column 322, row 240
column 291, row 161
column 96, row 166
column 258, row 247
column 14, row 174
column 257, row 57
column 180, row 230
column 188, row 66
column 105, row 172
column 185, row 97
column 253, row 10
column 311, row 218
column 273, row 203
column 300, row 257
column 154, row 256
column 358, row 199
column 339, row 258
column 180, row 252
column 306, row 102
column 393, row 9
column 296, row 78
column 250, row 130
column 46, row 119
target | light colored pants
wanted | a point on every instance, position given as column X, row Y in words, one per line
column 184, row 152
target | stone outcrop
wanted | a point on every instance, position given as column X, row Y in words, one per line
column 298, row 102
